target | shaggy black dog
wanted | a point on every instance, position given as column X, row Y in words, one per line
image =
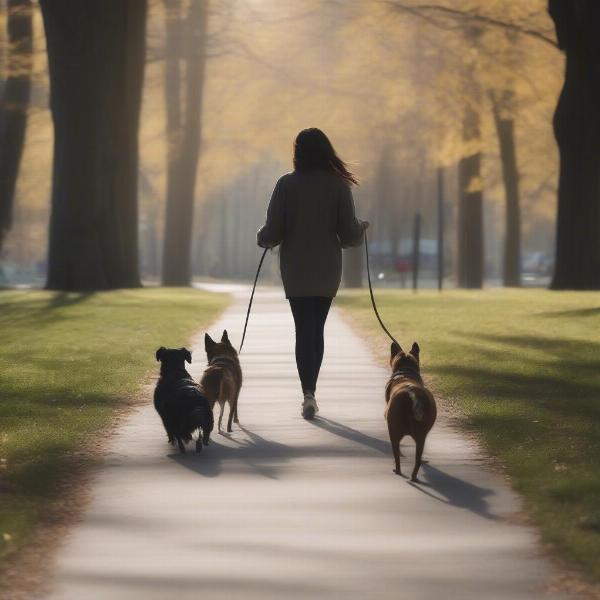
column 179, row 400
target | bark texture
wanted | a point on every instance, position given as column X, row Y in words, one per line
column 470, row 206
column 577, row 131
column 184, row 136
column 505, row 130
column 96, row 55
column 14, row 105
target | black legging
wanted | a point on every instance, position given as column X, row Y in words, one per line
column 310, row 314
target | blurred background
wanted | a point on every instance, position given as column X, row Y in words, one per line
column 444, row 113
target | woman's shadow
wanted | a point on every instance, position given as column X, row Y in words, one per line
column 351, row 434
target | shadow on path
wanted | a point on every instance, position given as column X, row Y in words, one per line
column 254, row 454
column 259, row 455
column 351, row 434
column 456, row 492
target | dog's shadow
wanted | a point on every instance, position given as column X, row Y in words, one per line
column 455, row 491
column 256, row 455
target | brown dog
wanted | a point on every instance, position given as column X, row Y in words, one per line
column 222, row 379
column 410, row 406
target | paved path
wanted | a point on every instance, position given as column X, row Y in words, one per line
column 286, row 509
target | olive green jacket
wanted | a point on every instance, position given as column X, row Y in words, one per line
column 312, row 216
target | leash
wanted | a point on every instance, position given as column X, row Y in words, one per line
column 372, row 296
column 262, row 258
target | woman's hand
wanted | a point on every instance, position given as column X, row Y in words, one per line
column 365, row 225
column 264, row 245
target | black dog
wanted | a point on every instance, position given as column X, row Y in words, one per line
column 179, row 400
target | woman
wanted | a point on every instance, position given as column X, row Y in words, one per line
column 311, row 214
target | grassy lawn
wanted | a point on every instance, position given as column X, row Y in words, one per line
column 524, row 367
column 68, row 361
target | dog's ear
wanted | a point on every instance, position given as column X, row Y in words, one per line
column 159, row 353
column 187, row 355
column 395, row 349
column 224, row 337
column 415, row 350
column 209, row 343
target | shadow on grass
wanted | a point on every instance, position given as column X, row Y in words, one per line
column 567, row 387
column 580, row 312
column 61, row 299
column 41, row 311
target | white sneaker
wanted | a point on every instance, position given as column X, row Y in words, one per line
column 309, row 406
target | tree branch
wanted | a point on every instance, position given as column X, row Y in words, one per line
column 428, row 13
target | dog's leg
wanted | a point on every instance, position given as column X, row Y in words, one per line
column 395, row 441
column 181, row 446
column 230, row 419
column 235, row 413
column 199, row 444
column 222, row 404
column 418, row 454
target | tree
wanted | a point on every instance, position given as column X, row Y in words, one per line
column 96, row 55
column 14, row 105
column 470, row 189
column 502, row 30
column 183, row 135
column 502, row 107
column 577, row 131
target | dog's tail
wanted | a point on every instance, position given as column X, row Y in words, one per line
column 418, row 403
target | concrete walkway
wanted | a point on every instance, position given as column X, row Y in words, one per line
column 287, row 509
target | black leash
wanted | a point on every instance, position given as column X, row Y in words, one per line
column 373, row 297
column 262, row 258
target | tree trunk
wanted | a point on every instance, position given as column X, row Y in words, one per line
column 96, row 60
column 14, row 105
column 180, row 203
column 504, row 122
column 577, row 131
column 470, row 206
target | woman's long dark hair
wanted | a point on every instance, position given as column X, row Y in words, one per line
column 313, row 151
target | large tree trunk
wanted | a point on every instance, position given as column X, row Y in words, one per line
column 181, row 190
column 96, row 55
column 14, row 105
column 502, row 109
column 577, row 131
column 470, row 206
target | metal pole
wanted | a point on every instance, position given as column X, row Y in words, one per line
column 416, row 250
column 440, row 240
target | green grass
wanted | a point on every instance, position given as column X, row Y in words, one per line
column 524, row 367
column 69, row 362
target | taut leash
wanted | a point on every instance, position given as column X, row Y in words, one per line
column 262, row 258
column 371, row 292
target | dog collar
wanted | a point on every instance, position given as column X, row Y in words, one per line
column 407, row 374
column 220, row 361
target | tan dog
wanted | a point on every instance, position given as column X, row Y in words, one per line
column 222, row 379
column 410, row 406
